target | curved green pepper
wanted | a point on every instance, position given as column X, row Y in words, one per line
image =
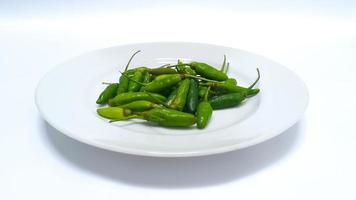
column 115, row 113
column 179, row 101
column 169, row 117
column 162, row 70
column 108, row 93
column 125, row 98
column 137, row 77
column 145, row 79
column 231, row 81
column 208, row 71
column 227, row 100
column 192, row 97
column 163, row 82
column 204, row 112
column 227, row 87
column 184, row 69
column 139, row 106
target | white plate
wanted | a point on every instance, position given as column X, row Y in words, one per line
column 66, row 99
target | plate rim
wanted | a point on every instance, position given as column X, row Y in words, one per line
column 149, row 153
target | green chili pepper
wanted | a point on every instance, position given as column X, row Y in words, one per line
column 163, row 82
column 192, row 97
column 227, row 100
column 169, row 117
column 145, row 79
column 204, row 112
column 184, row 69
column 179, row 101
column 208, row 71
column 137, row 77
column 108, row 93
column 139, row 106
column 125, row 98
column 115, row 113
column 226, row 87
column 172, row 96
column 202, row 90
column 233, row 99
column 124, row 81
column 223, row 66
column 231, row 81
column 162, row 70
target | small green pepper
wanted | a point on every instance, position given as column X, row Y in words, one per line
column 172, row 96
column 202, row 90
column 234, row 99
column 204, row 112
column 169, row 117
column 208, row 71
column 139, row 106
column 227, row 87
column 163, row 82
column 125, row 98
column 227, row 100
column 115, row 113
column 124, row 80
column 179, row 101
column 108, row 93
column 192, row 97
column 137, row 77
column 162, row 70
column 184, row 69
column 145, row 79
column 231, row 81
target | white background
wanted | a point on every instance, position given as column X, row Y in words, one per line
column 315, row 159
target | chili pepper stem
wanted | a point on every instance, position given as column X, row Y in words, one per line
column 223, row 65
column 206, row 94
column 227, row 68
column 128, row 63
column 178, row 65
column 165, row 65
column 158, row 100
column 143, row 84
column 254, row 83
column 200, row 78
column 106, row 83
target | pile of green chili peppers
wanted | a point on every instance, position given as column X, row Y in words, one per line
column 173, row 95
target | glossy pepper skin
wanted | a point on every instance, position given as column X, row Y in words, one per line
column 202, row 91
column 184, row 69
column 124, row 82
column 163, row 82
column 146, row 78
column 179, row 101
column 137, row 77
column 208, row 71
column 204, row 112
column 231, row 81
column 192, row 97
column 114, row 113
column 108, row 93
column 226, row 87
column 162, row 70
column 139, row 106
column 227, row 100
column 169, row 117
column 125, row 98
column 172, row 96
